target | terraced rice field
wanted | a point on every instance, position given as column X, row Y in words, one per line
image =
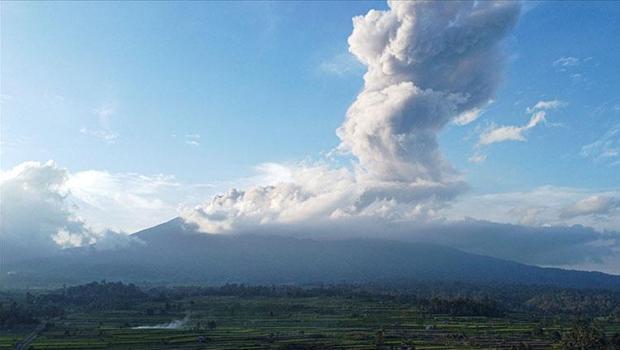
column 286, row 323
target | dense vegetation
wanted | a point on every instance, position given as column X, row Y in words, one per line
column 464, row 307
column 454, row 299
column 13, row 313
column 95, row 296
column 383, row 316
column 458, row 299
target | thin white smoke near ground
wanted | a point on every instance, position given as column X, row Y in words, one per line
column 428, row 64
column 176, row 324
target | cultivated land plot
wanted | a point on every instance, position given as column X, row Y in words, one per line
column 289, row 323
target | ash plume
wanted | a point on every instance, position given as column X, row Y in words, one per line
column 428, row 64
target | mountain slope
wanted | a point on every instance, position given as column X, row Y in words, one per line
column 174, row 253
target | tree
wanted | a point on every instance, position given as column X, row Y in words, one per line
column 615, row 341
column 583, row 336
column 380, row 340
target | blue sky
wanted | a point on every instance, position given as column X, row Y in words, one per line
column 202, row 96
column 245, row 77
column 249, row 78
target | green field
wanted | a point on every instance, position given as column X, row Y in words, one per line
column 290, row 323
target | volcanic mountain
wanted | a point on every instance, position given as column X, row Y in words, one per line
column 176, row 253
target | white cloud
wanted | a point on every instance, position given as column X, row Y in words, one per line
column 576, row 77
column 593, row 205
column 468, row 116
column 606, row 149
column 571, row 66
column 567, row 61
column 529, row 216
column 35, row 212
column 496, row 134
column 542, row 206
column 192, row 139
column 545, row 105
column 477, row 158
column 45, row 207
column 102, row 130
column 272, row 174
column 510, row 132
column 103, row 135
column 342, row 64
column 129, row 201
column 104, row 113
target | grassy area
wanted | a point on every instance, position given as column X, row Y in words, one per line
column 289, row 323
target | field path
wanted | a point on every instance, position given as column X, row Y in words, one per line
column 24, row 344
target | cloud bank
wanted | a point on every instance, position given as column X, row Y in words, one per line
column 593, row 205
column 542, row 206
column 561, row 246
column 35, row 217
column 127, row 201
column 44, row 208
column 428, row 64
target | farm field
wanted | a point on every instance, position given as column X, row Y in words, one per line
column 256, row 322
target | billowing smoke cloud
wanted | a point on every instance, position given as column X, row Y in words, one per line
column 36, row 216
column 312, row 193
column 428, row 63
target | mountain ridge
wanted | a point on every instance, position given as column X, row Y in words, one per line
column 174, row 252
